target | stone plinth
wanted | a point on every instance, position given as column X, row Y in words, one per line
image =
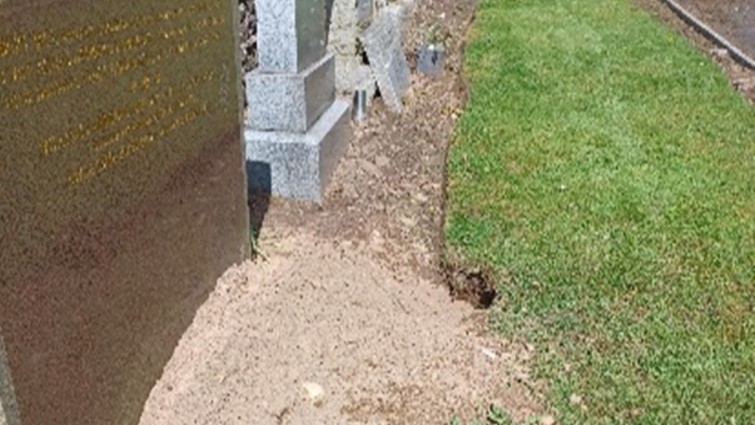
column 298, row 165
column 296, row 132
column 290, row 102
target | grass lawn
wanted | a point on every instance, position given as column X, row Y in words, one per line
column 606, row 170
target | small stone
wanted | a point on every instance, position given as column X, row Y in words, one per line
column 489, row 353
column 547, row 420
column 369, row 168
column 382, row 161
column 575, row 399
column 720, row 53
column 420, row 197
column 315, row 392
column 408, row 221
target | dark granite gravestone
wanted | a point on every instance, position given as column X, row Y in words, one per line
column 122, row 194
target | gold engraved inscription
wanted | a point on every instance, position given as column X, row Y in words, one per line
column 91, row 53
column 85, row 173
column 133, row 49
column 83, row 131
column 26, row 43
column 110, row 70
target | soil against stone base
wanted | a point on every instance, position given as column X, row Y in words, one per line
column 352, row 297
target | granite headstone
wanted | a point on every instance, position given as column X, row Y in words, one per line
column 123, row 194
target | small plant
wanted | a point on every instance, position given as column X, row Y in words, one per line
column 437, row 35
column 358, row 47
column 496, row 416
column 256, row 251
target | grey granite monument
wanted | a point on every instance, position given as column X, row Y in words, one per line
column 296, row 129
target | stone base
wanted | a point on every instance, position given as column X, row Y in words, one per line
column 290, row 102
column 298, row 165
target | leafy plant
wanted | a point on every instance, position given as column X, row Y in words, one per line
column 437, row 34
column 497, row 416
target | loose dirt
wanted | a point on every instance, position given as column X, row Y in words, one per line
column 351, row 306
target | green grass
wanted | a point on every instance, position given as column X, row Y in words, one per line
column 607, row 169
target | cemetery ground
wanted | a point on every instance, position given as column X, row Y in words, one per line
column 601, row 166
column 604, row 167
column 347, row 295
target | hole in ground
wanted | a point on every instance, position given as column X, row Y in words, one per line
column 472, row 283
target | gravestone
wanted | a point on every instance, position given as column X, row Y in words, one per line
column 123, row 194
column 382, row 42
column 296, row 130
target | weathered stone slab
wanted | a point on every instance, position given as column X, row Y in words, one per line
column 291, row 34
column 123, row 194
column 382, row 42
column 290, row 102
column 295, row 165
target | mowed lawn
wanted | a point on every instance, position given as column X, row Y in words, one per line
column 606, row 169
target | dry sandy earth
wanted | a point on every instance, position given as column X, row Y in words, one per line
column 351, row 296
column 384, row 346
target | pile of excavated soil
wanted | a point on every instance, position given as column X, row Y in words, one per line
column 383, row 346
column 347, row 319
